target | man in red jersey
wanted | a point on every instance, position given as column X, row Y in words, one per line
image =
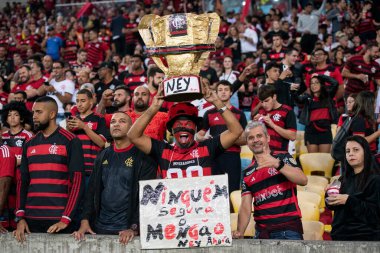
column 270, row 182
column 136, row 75
column 186, row 158
column 81, row 62
column 156, row 128
column 360, row 71
column 97, row 51
column 279, row 118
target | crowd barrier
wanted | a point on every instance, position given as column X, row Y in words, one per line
column 45, row 243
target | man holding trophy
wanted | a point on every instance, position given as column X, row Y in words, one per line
column 179, row 44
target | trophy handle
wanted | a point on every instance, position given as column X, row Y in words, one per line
column 161, row 64
column 145, row 31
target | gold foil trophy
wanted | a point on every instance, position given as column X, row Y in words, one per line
column 179, row 44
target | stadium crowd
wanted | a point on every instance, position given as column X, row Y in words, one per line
column 80, row 99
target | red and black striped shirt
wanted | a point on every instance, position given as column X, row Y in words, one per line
column 51, row 183
column 357, row 65
column 283, row 117
column 277, row 56
column 195, row 161
column 16, row 141
column 96, row 52
column 70, row 50
column 275, row 197
column 133, row 80
column 90, row 150
column 214, row 121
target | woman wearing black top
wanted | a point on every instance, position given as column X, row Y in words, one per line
column 357, row 206
column 232, row 41
column 319, row 113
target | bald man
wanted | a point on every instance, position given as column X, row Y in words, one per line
column 114, row 184
column 52, row 177
column 157, row 127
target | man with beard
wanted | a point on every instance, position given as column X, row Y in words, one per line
column 361, row 70
column 25, row 83
column 89, row 127
column 81, row 62
column 114, row 184
column 186, row 158
column 156, row 128
column 107, row 80
column 155, row 77
column 119, row 99
column 270, row 181
column 51, row 182
column 59, row 88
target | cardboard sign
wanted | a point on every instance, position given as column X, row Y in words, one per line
column 185, row 213
column 182, row 88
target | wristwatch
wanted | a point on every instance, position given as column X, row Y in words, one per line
column 223, row 109
column 17, row 219
column 280, row 165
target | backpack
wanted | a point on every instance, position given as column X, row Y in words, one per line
column 337, row 148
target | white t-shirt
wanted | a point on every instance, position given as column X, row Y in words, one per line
column 65, row 86
column 247, row 47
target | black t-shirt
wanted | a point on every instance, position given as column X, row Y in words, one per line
column 210, row 74
column 118, row 168
column 101, row 87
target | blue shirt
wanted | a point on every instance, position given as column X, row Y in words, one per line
column 53, row 46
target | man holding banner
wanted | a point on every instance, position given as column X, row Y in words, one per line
column 271, row 181
column 186, row 158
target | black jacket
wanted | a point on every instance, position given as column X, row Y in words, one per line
column 307, row 99
column 359, row 218
column 145, row 169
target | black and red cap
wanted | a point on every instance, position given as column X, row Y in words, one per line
column 186, row 110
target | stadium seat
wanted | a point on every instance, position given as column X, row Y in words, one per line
column 318, row 163
column 312, row 230
column 319, row 190
column 250, row 231
column 246, row 157
column 235, row 197
column 309, row 211
column 317, row 180
column 304, row 196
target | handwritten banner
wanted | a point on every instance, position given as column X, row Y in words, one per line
column 185, row 213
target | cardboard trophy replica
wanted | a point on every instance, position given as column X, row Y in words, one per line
column 179, row 44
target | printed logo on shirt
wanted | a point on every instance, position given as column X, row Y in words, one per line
column 105, row 162
column 33, row 151
column 194, row 153
column 53, row 149
column 19, row 143
column 276, row 117
column 129, row 162
column 272, row 171
column 373, row 70
column 216, row 118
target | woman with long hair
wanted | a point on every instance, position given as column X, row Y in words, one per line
column 350, row 101
column 230, row 75
column 357, row 205
column 319, row 113
column 233, row 42
column 363, row 121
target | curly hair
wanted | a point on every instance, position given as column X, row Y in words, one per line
column 20, row 107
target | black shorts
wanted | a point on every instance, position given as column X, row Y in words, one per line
column 318, row 138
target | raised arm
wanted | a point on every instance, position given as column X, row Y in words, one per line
column 136, row 133
column 234, row 129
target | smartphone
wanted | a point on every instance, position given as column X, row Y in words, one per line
column 68, row 115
